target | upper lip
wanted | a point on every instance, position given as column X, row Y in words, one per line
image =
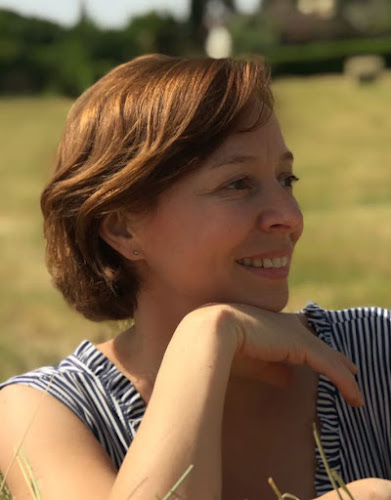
column 270, row 254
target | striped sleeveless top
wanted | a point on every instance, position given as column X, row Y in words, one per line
column 356, row 441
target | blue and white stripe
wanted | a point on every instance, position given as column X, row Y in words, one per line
column 356, row 441
column 92, row 387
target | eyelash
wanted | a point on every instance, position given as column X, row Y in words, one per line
column 285, row 182
column 246, row 180
column 291, row 179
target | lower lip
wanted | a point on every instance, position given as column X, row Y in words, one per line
column 273, row 273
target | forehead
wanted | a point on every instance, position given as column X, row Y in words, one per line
column 265, row 142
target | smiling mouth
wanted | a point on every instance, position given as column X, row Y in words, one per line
column 275, row 262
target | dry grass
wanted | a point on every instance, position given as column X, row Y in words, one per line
column 339, row 134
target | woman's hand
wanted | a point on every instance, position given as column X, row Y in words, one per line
column 363, row 489
column 269, row 344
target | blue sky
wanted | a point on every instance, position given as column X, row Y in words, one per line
column 108, row 13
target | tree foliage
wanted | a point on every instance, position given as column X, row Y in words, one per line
column 41, row 56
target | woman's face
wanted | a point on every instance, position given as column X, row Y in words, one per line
column 226, row 232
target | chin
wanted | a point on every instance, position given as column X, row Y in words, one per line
column 271, row 303
column 271, row 300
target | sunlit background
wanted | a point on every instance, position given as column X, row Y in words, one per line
column 332, row 83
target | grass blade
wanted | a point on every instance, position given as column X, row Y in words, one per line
column 275, row 488
column 178, row 483
column 342, row 484
column 279, row 495
column 25, row 475
column 37, row 494
column 328, row 470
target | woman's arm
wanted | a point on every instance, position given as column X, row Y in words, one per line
column 66, row 459
column 182, row 424
column 371, row 488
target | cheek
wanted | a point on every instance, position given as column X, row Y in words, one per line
column 201, row 233
column 177, row 236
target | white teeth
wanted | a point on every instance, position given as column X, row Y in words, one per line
column 275, row 262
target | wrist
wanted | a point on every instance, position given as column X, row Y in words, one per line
column 214, row 323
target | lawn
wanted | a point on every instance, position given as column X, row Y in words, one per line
column 339, row 133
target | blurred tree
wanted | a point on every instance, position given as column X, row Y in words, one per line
column 253, row 33
column 113, row 47
column 20, row 39
column 85, row 31
column 38, row 56
column 154, row 32
column 68, row 65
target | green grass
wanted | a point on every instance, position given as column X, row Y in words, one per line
column 339, row 133
column 33, row 314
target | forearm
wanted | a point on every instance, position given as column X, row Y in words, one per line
column 371, row 488
column 182, row 424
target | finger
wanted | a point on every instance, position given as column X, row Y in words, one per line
column 339, row 370
column 350, row 365
column 345, row 382
column 348, row 387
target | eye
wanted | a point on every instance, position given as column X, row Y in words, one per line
column 288, row 181
column 240, row 184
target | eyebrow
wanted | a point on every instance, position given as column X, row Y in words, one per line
column 240, row 158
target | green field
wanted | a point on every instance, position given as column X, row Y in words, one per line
column 340, row 135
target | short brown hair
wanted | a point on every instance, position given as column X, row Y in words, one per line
column 128, row 138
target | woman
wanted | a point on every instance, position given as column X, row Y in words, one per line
column 172, row 204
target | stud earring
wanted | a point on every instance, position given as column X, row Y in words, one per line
column 136, row 252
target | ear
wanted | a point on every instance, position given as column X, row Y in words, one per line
column 115, row 231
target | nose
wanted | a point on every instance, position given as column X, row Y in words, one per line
column 279, row 211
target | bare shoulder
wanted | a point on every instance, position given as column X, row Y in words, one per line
column 67, row 460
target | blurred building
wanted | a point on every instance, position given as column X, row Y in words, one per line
column 309, row 20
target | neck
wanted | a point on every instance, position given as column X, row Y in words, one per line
column 141, row 349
